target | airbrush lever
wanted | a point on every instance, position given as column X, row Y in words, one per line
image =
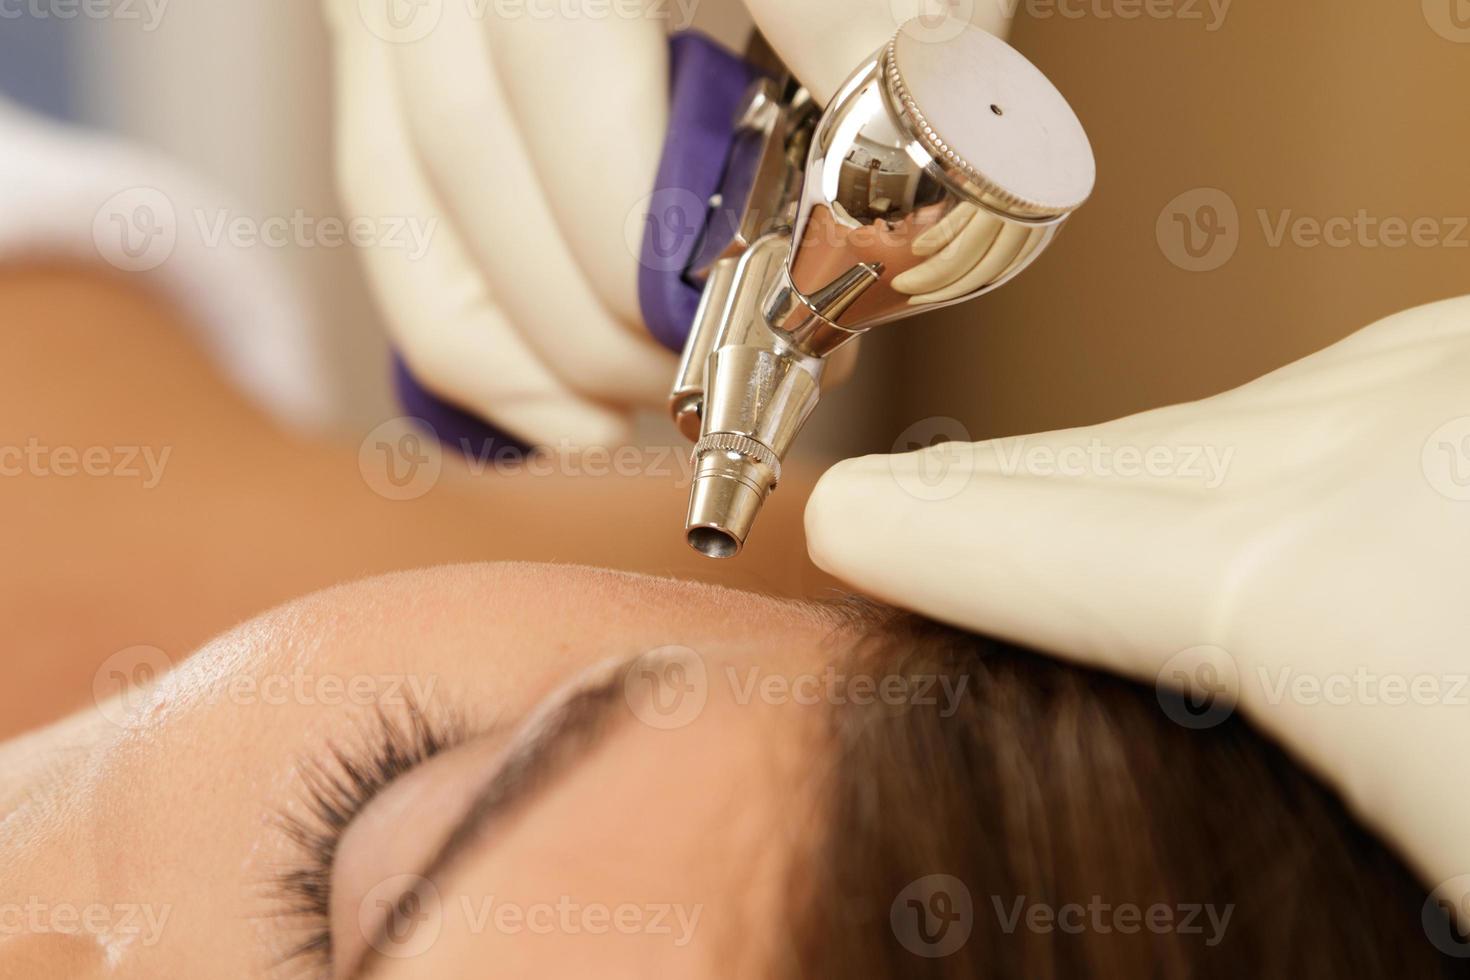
column 941, row 169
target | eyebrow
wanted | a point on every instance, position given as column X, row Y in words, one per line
column 567, row 729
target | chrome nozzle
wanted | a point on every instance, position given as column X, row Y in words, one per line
column 940, row 171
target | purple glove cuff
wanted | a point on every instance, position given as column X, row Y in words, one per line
column 708, row 85
column 454, row 427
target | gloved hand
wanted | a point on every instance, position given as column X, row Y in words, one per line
column 948, row 271
column 1302, row 542
column 528, row 142
column 529, row 134
column 822, row 41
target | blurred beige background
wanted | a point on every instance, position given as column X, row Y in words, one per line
column 1320, row 108
column 1316, row 109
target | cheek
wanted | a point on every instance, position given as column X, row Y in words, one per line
column 52, row 955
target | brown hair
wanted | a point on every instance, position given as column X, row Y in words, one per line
column 1053, row 822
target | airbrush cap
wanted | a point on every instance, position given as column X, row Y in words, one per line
column 992, row 119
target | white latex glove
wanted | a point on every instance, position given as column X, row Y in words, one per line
column 527, row 136
column 1302, row 542
column 524, row 309
column 822, row 41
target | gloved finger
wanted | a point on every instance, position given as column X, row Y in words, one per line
column 955, row 259
column 945, row 230
column 447, row 324
column 603, row 80
column 1012, row 242
column 850, row 30
column 1055, row 541
column 477, row 161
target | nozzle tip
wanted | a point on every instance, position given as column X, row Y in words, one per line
column 713, row 543
column 729, row 489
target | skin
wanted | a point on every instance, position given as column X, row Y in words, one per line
column 246, row 516
column 119, row 807
column 140, row 837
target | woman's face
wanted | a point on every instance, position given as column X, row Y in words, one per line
column 582, row 819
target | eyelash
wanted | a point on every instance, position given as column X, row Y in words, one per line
column 336, row 788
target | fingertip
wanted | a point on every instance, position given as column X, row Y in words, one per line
column 840, row 501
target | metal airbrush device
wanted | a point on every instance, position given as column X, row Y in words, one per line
column 942, row 168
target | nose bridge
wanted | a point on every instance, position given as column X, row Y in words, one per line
column 80, row 892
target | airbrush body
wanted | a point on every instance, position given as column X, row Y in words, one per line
column 940, row 170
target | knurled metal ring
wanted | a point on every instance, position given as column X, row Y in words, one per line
column 734, row 442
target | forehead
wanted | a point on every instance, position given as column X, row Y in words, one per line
column 499, row 636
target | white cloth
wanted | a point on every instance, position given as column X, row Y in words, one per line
column 68, row 193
